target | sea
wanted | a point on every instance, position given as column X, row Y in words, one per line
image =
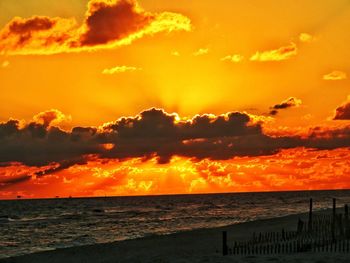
column 33, row 225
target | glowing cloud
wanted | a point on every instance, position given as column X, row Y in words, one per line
column 175, row 53
column 201, row 52
column 107, row 24
column 292, row 169
column 51, row 117
column 120, row 69
column 282, row 53
column 5, row 64
column 335, row 75
column 305, row 38
column 233, row 58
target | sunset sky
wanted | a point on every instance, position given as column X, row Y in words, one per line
column 123, row 97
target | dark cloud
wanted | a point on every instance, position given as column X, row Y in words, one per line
column 39, row 145
column 61, row 166
column 33, row 24
column 343, row 112
column 273, row 112
column 37, row 33
column 152, row 133
column 156, row 132
column 4, row 183
column 107, row 22
column 8, row 128
column 288, row 103
column 24, row 29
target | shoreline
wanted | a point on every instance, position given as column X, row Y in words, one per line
column 199, row 245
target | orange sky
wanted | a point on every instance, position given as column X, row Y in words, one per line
column 283, row 66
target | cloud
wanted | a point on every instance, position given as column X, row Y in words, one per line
column 293, row 169
column 335, row 75
column 343, row 112
column 305, row 38
column 201, row 52
column 282, row 53
column 4, row 183
column 119, row 69
column 152, row 134
column 233, row 58
column 175, row 53
column 288, row 103
column 110, row 21
column 37, row 35
column 5, row 64
column 107, row 24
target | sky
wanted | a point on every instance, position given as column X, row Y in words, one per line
column 126, row 97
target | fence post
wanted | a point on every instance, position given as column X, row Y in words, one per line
column 333, row 221
column 224, row 243
column 341, row 225
column 310, row 216
column 346, row 221
column 300, row 226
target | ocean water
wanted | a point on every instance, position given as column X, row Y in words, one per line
column 28, row 226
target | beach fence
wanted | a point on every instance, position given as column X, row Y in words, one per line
column 321, row 233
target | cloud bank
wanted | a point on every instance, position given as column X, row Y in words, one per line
column 151, row 134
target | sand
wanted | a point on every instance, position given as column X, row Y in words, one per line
column 203, row 245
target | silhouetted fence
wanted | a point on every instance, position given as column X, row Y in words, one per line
column 291, row 246
column 322, row 233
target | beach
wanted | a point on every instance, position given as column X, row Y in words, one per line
column 201, row 245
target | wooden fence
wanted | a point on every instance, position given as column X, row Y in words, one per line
column 321, row 233
column 298, row 244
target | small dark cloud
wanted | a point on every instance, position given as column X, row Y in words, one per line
column 61, row 166
column 273, row 112
column 24, row 29
column 342, row 112
column 288, row 103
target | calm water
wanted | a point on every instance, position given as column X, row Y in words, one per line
column 28, row 226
